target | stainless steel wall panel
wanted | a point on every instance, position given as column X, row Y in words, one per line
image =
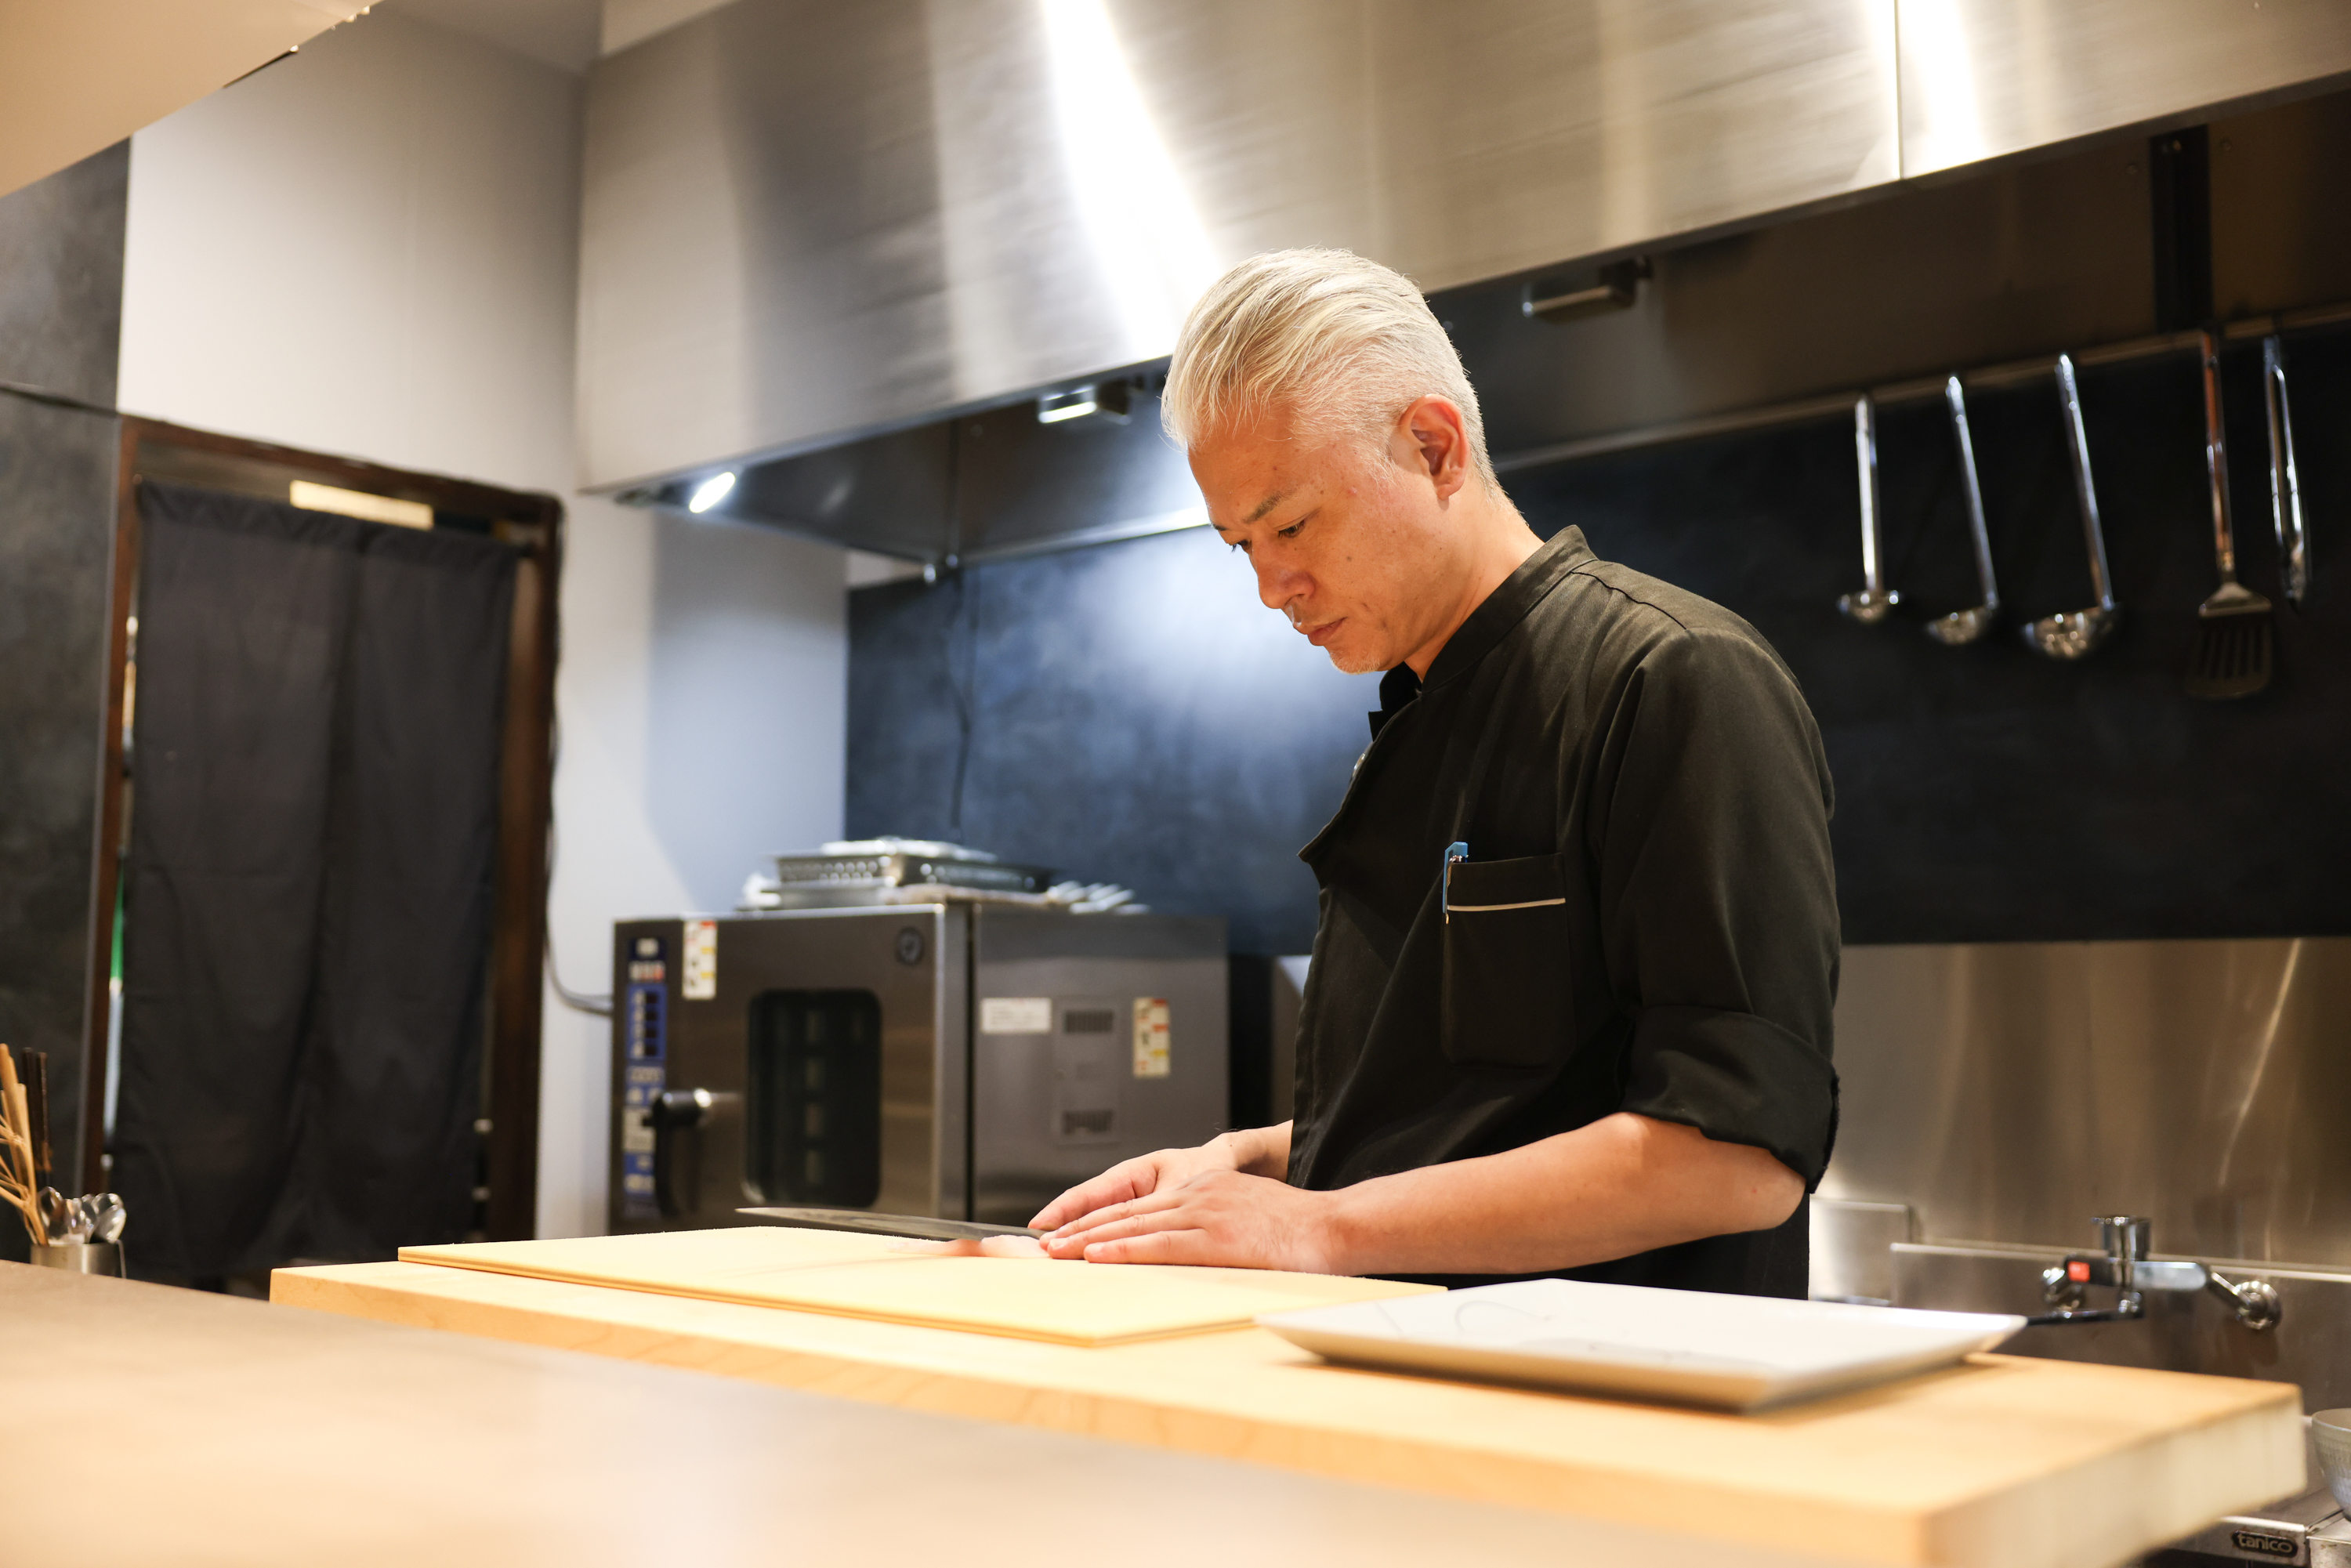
column 1967, row 1089
column 1853, row 1247
column 1983, row 77
column 2221, row 1082
column 2009, row 1091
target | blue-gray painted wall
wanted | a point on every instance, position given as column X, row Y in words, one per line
column 1136, row 717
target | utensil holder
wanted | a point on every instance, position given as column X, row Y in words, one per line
column 81, row 1257
column 2330, row 1434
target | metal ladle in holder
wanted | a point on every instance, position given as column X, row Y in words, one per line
column 2126, row 1267
column 1964, row 627
column 1871, row 605
column 84, row 1233
column 2072, row 633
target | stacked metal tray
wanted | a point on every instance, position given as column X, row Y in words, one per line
column 892, row 871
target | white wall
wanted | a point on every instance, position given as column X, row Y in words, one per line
column 371, row 249
column 628, row 22
column 368, row 248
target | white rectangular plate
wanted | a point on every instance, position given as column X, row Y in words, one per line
column 1729, row 1353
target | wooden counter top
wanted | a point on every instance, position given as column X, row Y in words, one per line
column 2006, row 1461
column 152, row 1426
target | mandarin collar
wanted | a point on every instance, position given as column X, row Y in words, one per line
column 1508, row 605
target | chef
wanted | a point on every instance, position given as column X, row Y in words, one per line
column 1569, row 1011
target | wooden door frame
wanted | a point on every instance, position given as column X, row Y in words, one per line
column 534, row 522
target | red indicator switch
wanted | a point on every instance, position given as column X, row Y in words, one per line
column 2078, row 1270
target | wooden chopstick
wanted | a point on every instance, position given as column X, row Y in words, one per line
column 36, row 1096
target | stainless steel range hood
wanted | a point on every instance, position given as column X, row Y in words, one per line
column 806, row 221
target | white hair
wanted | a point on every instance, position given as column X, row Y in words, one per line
column 1340, row 343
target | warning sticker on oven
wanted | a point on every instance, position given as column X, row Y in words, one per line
column 1151, row 1037
column 701, row 960
column 1016, row 1015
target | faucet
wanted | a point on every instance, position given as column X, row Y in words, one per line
column 2122, row 1264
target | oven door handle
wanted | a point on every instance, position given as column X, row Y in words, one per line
column 671, row 1114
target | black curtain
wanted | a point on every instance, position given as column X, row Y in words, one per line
column 315, row 767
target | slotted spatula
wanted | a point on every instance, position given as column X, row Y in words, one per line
column 2232, row 626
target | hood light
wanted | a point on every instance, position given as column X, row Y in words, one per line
column 1055, row 407
column 1105, row 401
column 711, row 491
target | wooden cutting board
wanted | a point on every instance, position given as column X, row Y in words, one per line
column 2003, row 1462
column 876, row 1278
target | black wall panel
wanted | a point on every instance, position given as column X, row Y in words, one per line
column 56, row 483
column 60, row 321
column 61, row 279
column 1136, row 715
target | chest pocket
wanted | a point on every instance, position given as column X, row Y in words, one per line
column 1507, row 1000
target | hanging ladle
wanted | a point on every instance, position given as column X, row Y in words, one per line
column 1870, row 605
column 1964, row 627
column 2072, row 633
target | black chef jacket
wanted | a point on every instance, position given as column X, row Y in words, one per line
column 1645, row 920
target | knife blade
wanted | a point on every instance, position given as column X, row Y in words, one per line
column 922, row 1228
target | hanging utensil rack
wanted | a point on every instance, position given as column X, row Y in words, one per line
column 1982, row 378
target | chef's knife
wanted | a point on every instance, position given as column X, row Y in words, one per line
column 920, row 1227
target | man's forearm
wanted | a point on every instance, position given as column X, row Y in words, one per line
column 1623, row 1185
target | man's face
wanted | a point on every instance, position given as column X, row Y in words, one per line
column 1356, row 544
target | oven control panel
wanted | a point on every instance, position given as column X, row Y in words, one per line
column 644, row 1034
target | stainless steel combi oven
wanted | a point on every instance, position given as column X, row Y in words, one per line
column 961, row 1059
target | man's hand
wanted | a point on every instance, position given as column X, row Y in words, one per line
column 1622, row 1184
column 1263, row 1151
column 1218, row 1217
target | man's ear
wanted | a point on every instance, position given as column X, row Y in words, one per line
column 1433, row 426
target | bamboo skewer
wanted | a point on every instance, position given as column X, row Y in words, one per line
column 21, row 1183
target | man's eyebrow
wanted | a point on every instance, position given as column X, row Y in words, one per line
column 1268, row 503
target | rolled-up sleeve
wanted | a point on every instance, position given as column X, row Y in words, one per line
column 1718, row 898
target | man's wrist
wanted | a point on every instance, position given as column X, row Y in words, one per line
column 1247, row 1147
column 1341, row 1231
